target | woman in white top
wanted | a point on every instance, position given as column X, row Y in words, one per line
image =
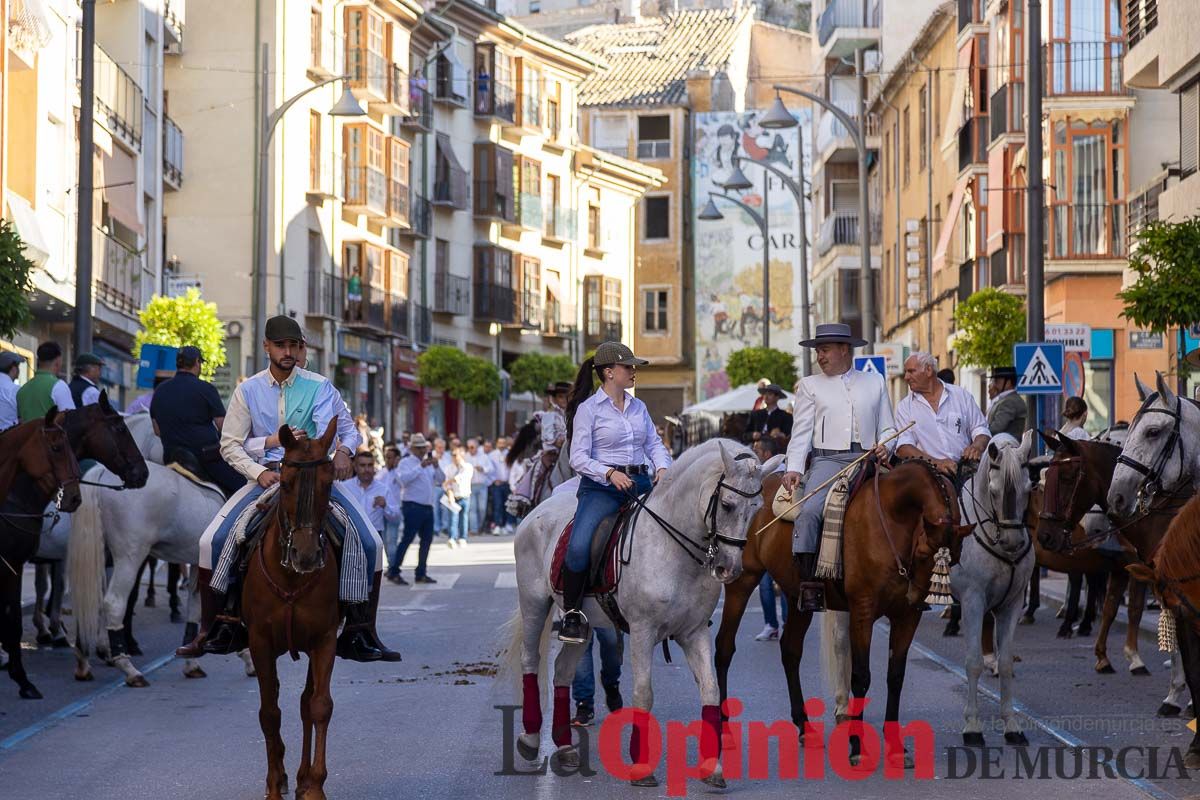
column 458, row 486
column 1075, row 412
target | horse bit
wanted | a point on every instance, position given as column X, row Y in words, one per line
column 1151, row 481
column 305, row 509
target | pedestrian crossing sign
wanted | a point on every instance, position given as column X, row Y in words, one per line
column 1039, row 367
column 871, row 364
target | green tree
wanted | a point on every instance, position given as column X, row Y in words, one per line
column 989, row 323
column 1166, row 261
column 471, row 379
column 180, row 321
column 750, row 364
column 531, row 372
column 15, row 281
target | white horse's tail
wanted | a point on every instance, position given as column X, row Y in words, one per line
column 835, row 658
column 511, row 667
column 85, row 562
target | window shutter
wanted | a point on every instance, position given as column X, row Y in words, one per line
column 504, row 182
column 1189, row 129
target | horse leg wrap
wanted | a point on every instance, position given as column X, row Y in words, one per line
column 561, row 729
column 116, row 643
column 531, row 703
column 639, row 745
column 710, row 735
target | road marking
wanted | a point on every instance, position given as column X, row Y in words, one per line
column 444, row 581
column 1067, row 739
column 506, row 580
column 71, row 710
column 417, row 603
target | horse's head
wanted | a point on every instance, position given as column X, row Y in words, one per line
column 305, row 482
column 47, row 458
column 1152, row 458
column 1006, row 486
column 1069, row 491
column 98, row 431
column 736, row 497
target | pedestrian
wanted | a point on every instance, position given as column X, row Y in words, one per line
column 444, row 461
column 948, row 427
column 419, row 476
column 141, row 403
column 481, row 479
column 389, row 474
column 946, row 375
column 458, row 488
column 501, row 521
column 45, row 388
column 583, row 687
column 1075, row 414
column 10, row 369
column 1006, row 411
column 85, row 386
column 372, row 493
column 770, row 420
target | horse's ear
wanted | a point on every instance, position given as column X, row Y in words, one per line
column 963, row 531
column 330, row 432
column 993, row 451
column 286, row 438
column 1050, row 437
column 771, row 464
column 60, row 418
column 51, row 417
column 1027, row 448
column 1142, row 573
column 1069, row 445
column 1164, row 389
column 726, row 462
column 105, row 406
column 1143, row 390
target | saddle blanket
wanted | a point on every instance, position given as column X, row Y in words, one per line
column 829, row 557
column 605, row 566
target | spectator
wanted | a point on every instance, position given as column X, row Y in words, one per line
column 369, row 492
column 85, row 386
column 946, row 375
column 502, row 523
column 419, row 476
column 458, row 486
column 45, row 388
column 445, row 461
column 1075, row 414
column 390, row 476
column 10, row 368
column 481, row 479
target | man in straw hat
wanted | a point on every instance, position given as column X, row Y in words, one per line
column 838, row 412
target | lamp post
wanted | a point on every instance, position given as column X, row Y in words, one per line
column 495, row 329
column 347, row 106
column 711, row 213
column 779, row 117
column 739, row 182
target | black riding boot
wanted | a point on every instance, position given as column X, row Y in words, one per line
column 193, row 639
column 373, row 613
column 355, row 642
column 575, row 628
column 812, row 592
column 228, row 634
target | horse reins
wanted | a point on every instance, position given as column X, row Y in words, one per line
column 938, row 479
column 64, row 476
column 1152, row 475
column 993, row 548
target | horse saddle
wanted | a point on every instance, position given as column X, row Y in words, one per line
column 605, row 568
column 252, row 524
column 783, row 506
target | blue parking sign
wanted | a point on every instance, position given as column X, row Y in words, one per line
column 1039, row 367
column 872, row 364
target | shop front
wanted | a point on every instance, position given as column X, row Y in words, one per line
column 409, row 410
column 361, row 376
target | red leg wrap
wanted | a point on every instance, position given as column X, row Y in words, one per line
column 710, row 736
column 639, row 746
column 531, row 704
column 561, row 729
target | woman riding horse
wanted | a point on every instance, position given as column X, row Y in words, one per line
column 612, row 437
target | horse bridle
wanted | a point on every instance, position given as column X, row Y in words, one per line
column 111, row 422
column 988, row 542
column 1051, row 499
column 306, row 507
column 940, row 481
column 63, row 474
column 1151, row 482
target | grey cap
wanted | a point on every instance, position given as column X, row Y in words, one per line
column 88, row 360
column 616, row 353
column 773, row 388
column 8, row 360
column 281, row 328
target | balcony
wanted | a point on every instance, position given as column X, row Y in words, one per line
column 560, row 223
column 1006, row 108
column 494, row 303
column 491, row 203
column 558, row 320
column 396, row 100
column 530, row 212
column 495, row 99
column 422, row 325
column 172, row 154
column 397, row 315
column 119, row 99
column 122, row 281
column 450, row 86
column 375, row 309
column 973, row 142
column 834, row 142
column 1085, row 68
column 848, row 25
column 527, row 311
column 398, row 210
column 419, row 219
column 326, row 295
column 366, row 192
column 841, row 228
column 1141, row 17
column 420, row 109
column 971, row 12
column 451, row 294
column 369, row 72
column 607, row 330
column 173, row 16
column 1086, row 231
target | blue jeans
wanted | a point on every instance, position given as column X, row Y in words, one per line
column 459, row 519
column 499, row 495
column 479, row 498
column 596, row 501
column 766, row 594
column 391, row 534
column 418, row 522
column 583, row 688
column 441, row 517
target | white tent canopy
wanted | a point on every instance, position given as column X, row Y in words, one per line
column 740, row 399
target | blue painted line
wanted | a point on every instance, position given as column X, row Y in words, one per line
column 49, row 721
column 1143, row 784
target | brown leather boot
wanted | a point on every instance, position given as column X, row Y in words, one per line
column 193, row 645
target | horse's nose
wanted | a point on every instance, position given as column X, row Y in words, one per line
column 1118, row 506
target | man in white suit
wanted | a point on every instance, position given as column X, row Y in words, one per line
column 838, row 414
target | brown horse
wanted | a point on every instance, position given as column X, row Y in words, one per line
column 36, row 463
column 920, row 514
column 290, row 605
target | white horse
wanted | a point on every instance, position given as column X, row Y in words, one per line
column 683, row 546
column 991, row 575
column 1161, row 451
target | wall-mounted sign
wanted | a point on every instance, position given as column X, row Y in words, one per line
column 1145, row 340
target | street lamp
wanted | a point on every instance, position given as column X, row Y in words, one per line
column 495, row 329
column 346, row 106
column 710, row 213
column 778, row 116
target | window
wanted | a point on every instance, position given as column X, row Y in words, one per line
column 314, row 151
column 450, row 179
column 1087, row 203
column 1189, row 129
column 906, row 134
column 493, row 284
column 535, row 6
column 316, row 253
column 655, row 301
column 529, row 198
column 494, row 182
column 494, row 83
column 656, row 220
column 398, row 182
column 553, row 120
column 529, row 292
column 602, row 308
column 315, row 36
column 888, row 157
column 937, row 102
column 654, row 137
column 611, row 134
column 398, row 274
column 449, row 82
column 923, row 143
column 531, row 95
column 552, row 213
column 593, row 210
column 366, row 175
column 367, row 51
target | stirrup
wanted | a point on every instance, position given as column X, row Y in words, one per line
column 574, row 628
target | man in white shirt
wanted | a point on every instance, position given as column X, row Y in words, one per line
column 371, row 493
column 480, row 482
column 390, row 478
column 948, row 425
column 418, row 475
column 839, row 414
column 10, row 368
column 501, row 522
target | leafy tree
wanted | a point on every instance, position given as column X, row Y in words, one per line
column 180, row 321
column 989, row 323
column 480, row 384
column 1166, row 291
column 15, row 281
column 471, row 379
column 750, row 364
column 531, row 372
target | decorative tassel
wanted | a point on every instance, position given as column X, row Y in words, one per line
column 939, row 583
column 1166, row 631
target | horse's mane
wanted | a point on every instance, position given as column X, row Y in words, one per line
column 526, row 436
column 703, row 450
column 1178, row 555
column 1012, row 467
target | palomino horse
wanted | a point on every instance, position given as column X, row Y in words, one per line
column 919, row 513
column 37, row 464
column 290, row 605
column 690, row 528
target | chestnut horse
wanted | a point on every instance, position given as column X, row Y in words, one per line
column 290, row 605
column 36, row 463
column 921, row 513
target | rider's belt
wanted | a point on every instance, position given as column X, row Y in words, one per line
column 631, row 469
column 855, row 447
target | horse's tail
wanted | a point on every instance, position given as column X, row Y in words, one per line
column 85, row 562
column 511, row 667
column 835, row 658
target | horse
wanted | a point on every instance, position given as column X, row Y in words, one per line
column 919, row 509
column 290, row 605
column 993, row 571
column 689, row 528
column 37, row 464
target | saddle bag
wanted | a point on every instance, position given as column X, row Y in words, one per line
column 780, row 505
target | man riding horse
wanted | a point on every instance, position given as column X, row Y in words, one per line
column 285, row 394
column 837, row 412
column 948, row 427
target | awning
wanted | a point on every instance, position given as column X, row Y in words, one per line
column 118, row 179
column 948, row 226
column 958, row 100
column 26, row 222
